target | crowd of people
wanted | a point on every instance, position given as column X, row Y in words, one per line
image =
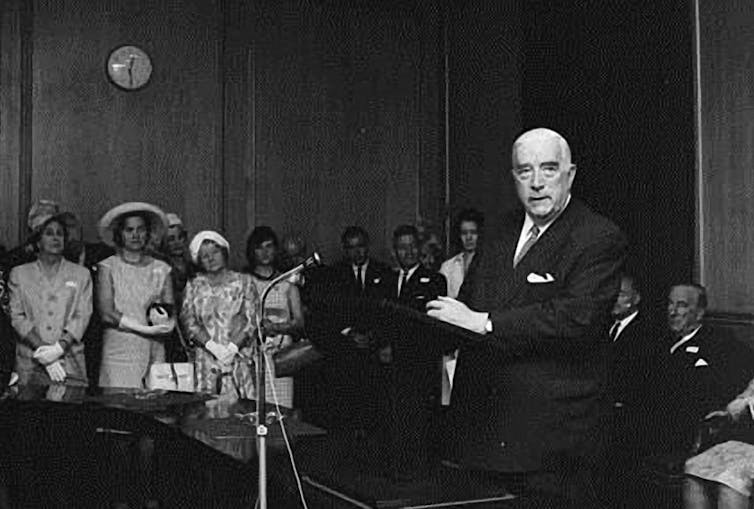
column 530, row 401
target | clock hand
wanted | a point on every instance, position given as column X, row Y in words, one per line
column 131, row 60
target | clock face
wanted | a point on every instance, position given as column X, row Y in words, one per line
column 129, row 67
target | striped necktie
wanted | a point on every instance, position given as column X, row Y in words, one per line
column 533, row 236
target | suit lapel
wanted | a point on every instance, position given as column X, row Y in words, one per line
column 548, row 247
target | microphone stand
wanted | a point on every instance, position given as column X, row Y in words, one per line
column 312, row 261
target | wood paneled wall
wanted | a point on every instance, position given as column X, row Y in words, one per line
column 726, row 250
column 347, row 122
column 484, row 99
column 14, row 99
column 94, row 145
column 306, row 116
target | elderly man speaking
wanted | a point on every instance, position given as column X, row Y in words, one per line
column 529, row 395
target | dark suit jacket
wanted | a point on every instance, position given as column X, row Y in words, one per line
column 423, row 286
column 702, row 375
column 345, row 281
column 532, row 392
column 634, row 356
column 7, row 350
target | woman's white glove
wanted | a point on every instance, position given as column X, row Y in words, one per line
column 232, row 351
column 47, row 354
column 737, row 408
column 219, row 351
column 56, row 371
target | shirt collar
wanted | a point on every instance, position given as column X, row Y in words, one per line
column 684, row 339
column 623, row 322
column 355, row 268
column 410, row 271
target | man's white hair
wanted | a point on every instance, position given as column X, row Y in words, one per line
column 539, row 134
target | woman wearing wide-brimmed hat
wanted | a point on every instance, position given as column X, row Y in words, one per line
column 128, row 283
column 50, row 306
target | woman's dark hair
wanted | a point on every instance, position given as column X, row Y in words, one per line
column 120, row 223
column 38, row 233
column 257, row 237
column 470, row 215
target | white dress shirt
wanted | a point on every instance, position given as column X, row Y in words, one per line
column 400, row 276
column 355, row 269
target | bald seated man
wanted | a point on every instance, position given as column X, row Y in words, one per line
column 529, row 393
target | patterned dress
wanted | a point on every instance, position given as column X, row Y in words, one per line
column 51, row 306
column 126, row 355
column 219, row 312
column 730, row 463
column 277, row 310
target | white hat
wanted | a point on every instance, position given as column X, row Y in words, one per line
column 41, row 212
column 158, row 221
column 173, row 219
column 199, row 239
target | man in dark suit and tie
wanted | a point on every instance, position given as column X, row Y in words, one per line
column 412, row 284
column 529, row 394
column 700, row 370
column 359, row 275
column 634, row 349
column 350, row 372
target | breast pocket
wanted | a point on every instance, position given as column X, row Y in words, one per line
column 542, row 291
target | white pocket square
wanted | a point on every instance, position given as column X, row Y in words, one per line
column 692, row 349
column 700, row 363
column 424, row 280
column 533, row 277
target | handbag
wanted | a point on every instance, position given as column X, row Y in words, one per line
column 171, row 376
column 291, row 359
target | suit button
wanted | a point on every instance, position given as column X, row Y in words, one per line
column 503, row 444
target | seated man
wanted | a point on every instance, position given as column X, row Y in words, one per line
column 700, row 370
column 7, row 348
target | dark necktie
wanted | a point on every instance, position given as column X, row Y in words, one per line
column 404, row 278
column 359, row 283
column 533, row 235
column 614, row 331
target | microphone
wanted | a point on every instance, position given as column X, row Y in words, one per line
column 312, row 261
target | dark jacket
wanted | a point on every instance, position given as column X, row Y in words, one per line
column 533, row 391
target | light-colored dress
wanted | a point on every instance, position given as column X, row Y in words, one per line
column 219, row 312
column 454, row 269
column 126, row 355
column 277, row 310
column 730, row 463
column 52, row 306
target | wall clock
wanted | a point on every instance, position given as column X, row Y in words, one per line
column 129, row 67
